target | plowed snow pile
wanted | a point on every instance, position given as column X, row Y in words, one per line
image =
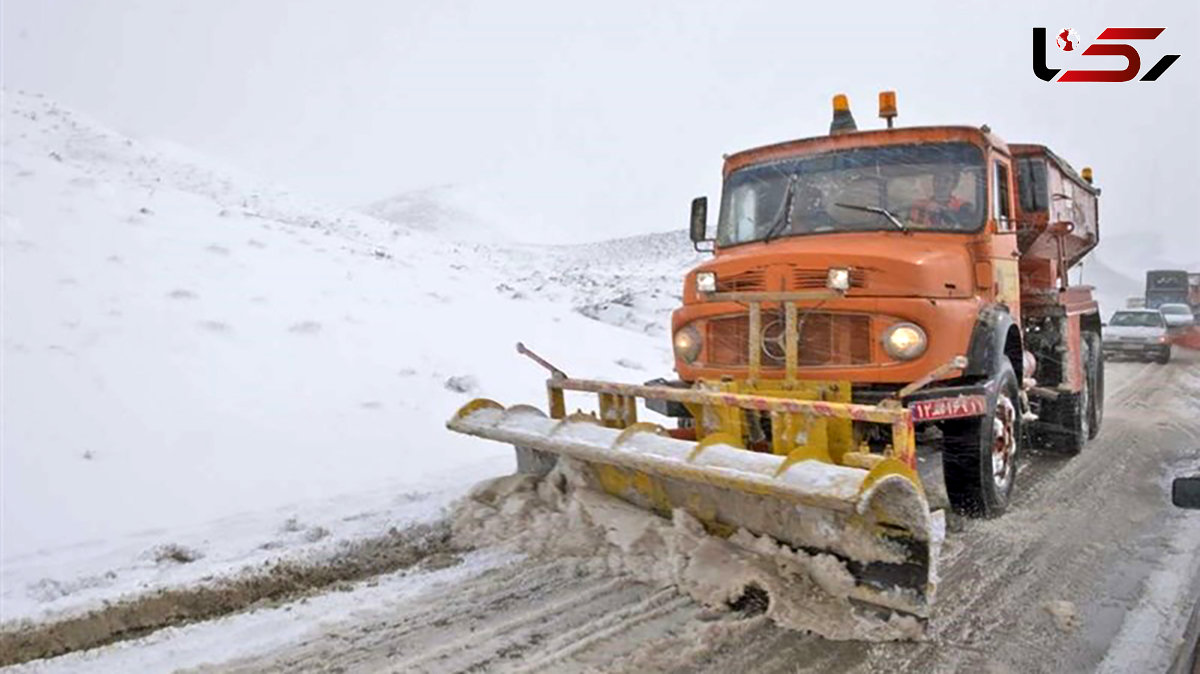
column 560, row 516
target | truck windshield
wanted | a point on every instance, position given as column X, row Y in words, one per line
column 1137, row 319
column 924, row 187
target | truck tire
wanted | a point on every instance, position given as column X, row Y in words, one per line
column 979, row 455
column 532, row 461
column 1097, row 372
column 1071, row 427
column 1164, row 358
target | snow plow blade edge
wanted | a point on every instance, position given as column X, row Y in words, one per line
column 875, row 520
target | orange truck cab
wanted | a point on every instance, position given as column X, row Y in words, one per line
column 924, row 267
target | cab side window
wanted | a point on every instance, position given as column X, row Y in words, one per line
column 1002, row 209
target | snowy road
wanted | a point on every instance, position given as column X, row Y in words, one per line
column 1091, row 570
column 1096, row 532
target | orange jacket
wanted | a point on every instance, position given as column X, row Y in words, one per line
column 930, row 212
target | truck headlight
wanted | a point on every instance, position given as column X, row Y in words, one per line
column 706, row 282
column 838, row 279
column 904, row 341
column 687, row 344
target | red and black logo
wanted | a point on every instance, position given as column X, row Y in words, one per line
column 1068, row 41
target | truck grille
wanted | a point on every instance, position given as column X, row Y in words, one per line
column 785, row 278
column 806, row 279
column 754, row 280
column 825, row 339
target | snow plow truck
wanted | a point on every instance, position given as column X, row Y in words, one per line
column 878, row 302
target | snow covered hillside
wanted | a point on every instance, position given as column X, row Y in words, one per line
column 192, row 359
column 1133, row 254
column 1118, row 268
column 439, row 209
column 1111, row 287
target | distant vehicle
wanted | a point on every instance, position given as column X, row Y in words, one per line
column 1178, row 315
column 1166, row 286
column 1135, row 302
column 1139, row 333
column 1194, row 295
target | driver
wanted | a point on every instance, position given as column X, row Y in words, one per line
column 942, row 208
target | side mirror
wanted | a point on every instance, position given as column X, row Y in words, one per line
column 1185, row 492
column 699, row 222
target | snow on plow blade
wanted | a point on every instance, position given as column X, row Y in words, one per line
column 873, row 517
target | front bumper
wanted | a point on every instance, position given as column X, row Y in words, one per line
column 928, row 404
column 936, row 403
column 1135, row 348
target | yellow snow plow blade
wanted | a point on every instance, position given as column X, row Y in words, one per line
column 868, row 510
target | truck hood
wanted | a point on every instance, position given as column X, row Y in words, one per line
column 883, row 264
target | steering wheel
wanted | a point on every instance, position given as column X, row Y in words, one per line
column 951, row 217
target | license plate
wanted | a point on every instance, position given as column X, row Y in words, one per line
column 948, row 408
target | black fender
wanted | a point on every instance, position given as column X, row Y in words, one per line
column 995, row 338
column 668, row 408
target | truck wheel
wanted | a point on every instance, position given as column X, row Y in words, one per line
column 532, row 461
column 1071, row 427
column 979, row 455
column 1164, row 357
column 1097, row 383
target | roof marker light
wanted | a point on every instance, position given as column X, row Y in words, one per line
column 843, row 121
column 887, row 106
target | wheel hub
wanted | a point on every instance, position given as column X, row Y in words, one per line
column 1004, row 442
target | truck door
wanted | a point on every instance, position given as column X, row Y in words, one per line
column 1003, row 224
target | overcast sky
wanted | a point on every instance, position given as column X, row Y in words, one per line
column 570, row 122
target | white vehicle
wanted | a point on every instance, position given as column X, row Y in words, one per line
column 1177, row 315
column 1140, row 333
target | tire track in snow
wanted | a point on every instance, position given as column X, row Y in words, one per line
column 557, row 608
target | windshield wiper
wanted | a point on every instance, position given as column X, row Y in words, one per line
column 784, row 221
column 876, row 210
